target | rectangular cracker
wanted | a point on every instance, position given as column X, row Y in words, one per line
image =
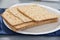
column 36, row 12
column 32, row 24
column 11, row 19
column 18, row 14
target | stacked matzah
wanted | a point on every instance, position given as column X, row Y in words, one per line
column 26, row 16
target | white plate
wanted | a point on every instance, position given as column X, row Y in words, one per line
column 43, row 29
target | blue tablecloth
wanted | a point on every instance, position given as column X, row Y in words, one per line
column 5, row 31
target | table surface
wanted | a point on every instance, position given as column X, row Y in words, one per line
column 8, row 3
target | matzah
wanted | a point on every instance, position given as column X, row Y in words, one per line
column 36, row 12
column 11, row 19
